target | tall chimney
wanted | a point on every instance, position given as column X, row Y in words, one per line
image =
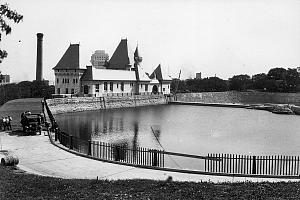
column 39, row 57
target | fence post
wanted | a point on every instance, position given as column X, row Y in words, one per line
column 117, row 152
column 154, row 161
column 254, row 165
column 55, row 135
column 71, row 141
column 90, row 148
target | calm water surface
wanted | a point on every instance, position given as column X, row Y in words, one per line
column 189, row 129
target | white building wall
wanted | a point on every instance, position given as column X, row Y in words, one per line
column 128, row 88
column 166, row 88
column 67, row 79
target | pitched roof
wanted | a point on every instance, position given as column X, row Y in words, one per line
column 88, row 74
column 70, row 59
column 160, row 75
column 107, row 75
column 122, row 57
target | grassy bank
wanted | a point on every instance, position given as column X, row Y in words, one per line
column 17, row 185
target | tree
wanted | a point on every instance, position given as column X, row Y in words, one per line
column 240, row 82
column 7, row 14
column 292, row 79
column 259, row 81
column 277, row 73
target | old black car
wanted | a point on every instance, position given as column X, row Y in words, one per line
column 32, row 123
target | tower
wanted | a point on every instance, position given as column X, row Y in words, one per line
column 137, row 60
column 39, row 57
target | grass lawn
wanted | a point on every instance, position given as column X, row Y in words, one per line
column 14, row 184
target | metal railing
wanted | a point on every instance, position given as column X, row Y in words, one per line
column 263, row 165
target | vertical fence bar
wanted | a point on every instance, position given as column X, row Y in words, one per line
column 239, row 171
column 163, row 158
column 147, row 155
column 227, row 164
column 289, row 161
column 143, row 157
column 230, row 163
column 212, row 163
column 107, row 151
column 222, row 163
column 277, row 165
column 292, row 165
column 281, row 167
column 96, row 147
column 287, row 165
column 71, row 141
column 269, row 167
column 243, row 164
column 111, row 152
column 160, row 158
column 104, row 150
column 89, row 148
column 236, row 164
column 272, row 169
column 297, row 165
column 215, row 163
column 100, row 147
column 205, row 164
column 208, row 162
column 263, row 165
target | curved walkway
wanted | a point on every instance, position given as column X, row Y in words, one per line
column 37, row 155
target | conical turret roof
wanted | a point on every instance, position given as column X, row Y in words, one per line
column 137, row 57
column 70, row 59
column 121, row 58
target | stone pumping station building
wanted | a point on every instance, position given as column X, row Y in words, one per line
column 122, row 75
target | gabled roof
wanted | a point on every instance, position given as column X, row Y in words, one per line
column 107, row 75
column 122, row 57
column 160, row 75
column 70, row 60
column 88, row 74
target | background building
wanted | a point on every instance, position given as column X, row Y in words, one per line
column 4, row 79
column 99, row 59
column 198, row 75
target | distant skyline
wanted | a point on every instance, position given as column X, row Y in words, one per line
column 225, row 38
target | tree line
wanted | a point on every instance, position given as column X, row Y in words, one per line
column 25, row 89
column 276, row 80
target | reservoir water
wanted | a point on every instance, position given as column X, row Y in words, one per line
column 189, row 129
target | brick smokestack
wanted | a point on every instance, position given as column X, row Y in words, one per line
column 39, row 57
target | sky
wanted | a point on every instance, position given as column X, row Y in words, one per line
column 222, row 38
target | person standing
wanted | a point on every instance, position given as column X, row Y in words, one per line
column 4, row 123
column 8, row 121
column 1, row 124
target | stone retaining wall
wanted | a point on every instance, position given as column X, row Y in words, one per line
column 77, row 104
column 240, row 97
